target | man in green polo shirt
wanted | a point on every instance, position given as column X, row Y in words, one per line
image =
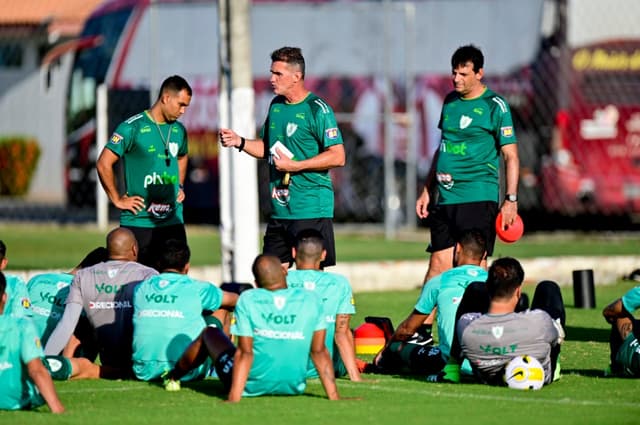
column 153, row 148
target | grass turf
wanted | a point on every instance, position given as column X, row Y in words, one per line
column 583, row 396
column 62, row 247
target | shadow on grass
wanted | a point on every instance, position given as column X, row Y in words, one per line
column 587, row 334
column 591, row 373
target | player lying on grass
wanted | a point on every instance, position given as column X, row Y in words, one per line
column 337, row 299
column 170, row 311
column 489, row 331
column 25, row 382
column 104, row 292
column 623, row 342
column 400, row 354
column 278, row 328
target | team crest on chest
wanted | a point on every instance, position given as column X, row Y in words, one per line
column 497, row 331
column 465, row 121
column 173, row 149
column 291, row 128
column 279, row 302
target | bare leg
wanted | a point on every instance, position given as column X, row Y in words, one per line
column 439, row 262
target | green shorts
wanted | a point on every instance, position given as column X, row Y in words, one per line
column 628, row 356
column 59, row 367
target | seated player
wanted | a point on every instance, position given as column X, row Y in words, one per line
column 623, row 342
column 337, row 299
column 169, row 313
column 444, row 291
column 18, row 301
column 104, row 291
column 24, row 381
column 278, row 328
column 49, row 292
column 490, row 340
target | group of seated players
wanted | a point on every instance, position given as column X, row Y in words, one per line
column 159, row 324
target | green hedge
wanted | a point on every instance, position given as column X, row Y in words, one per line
column 18, row 159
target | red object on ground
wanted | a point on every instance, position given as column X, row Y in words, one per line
column 369, row 339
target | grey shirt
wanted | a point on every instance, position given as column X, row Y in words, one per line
column 489, row 341
column 105, row 293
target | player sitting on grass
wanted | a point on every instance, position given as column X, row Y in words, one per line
column 337, row 299
column 489, row 337
column 278, row 328
column 624, row 346
column 104, row 292
column 170, row 311
column 24, row 381
column 18, row 302
column 444, row 291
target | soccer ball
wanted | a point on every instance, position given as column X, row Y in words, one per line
column 524, row 373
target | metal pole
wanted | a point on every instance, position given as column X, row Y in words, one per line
column 102, row 202
column 391, row 200
column 412, row 151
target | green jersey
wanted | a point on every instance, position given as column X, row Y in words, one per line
column 167, row 317
column 18, row 301
column 336, row 295
column 150, row 152
column 48, row 293
column 19, row 345
column 306, row 129
column 445, row 291
column 473, row 132
column 282, row 324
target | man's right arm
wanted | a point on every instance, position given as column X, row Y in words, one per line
column 422, row 204
column 324, row 365
column 254, row 147
column 40, row 376
column 405, row 330
column 104, row 166
column 63, row 331
column 242, row 362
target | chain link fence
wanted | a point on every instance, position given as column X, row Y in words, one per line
column 570, row 70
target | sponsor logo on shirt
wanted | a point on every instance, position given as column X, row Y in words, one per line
column 145, row 129
column 109, row 305
column 115, row 138
column 331, row 133
column 155, row 178
column 26, row 303
column 159, row 210
column 506, row 131
column 271, row 334
column 175, row 314
column 6, row 366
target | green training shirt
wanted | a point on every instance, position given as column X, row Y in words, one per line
column 473, row 132
column 18, row 346
column 48, row 293
column 167, row 317
column 306, row 129
column 337, row 298
column 282, row 324
column 149, row 154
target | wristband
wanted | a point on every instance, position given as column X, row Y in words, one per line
column 242, row 142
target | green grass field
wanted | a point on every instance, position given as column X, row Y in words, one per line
column 62, row 247
column 583, row 396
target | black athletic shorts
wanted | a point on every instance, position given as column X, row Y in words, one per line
column 280, row 237
column 447, row 222
column 150, row 238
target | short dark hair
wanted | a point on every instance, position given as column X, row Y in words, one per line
column 175, row 83
column 173, row 254
column 3, row 284
column 309, row 244
column 3, row 250
column 473, row 242
column 468, row 53
column 290, row 55
column 98, row 255
column 504, row 277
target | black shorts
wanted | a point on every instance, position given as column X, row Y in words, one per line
column 280, row 237
column 447, row 222
column 149, row 238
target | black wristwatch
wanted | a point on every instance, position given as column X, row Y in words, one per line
column 511, row 197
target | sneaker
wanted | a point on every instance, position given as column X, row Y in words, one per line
column 169, row 383
column 422, row 336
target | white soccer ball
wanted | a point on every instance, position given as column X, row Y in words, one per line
column 524, row 373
